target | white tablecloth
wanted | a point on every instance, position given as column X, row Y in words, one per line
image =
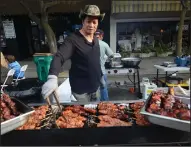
column 173, row 69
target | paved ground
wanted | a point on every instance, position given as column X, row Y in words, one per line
column 146, row 70
column 146, row 66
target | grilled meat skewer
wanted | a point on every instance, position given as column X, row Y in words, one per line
column 169, row 106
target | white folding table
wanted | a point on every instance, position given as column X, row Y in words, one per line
column 170, row 69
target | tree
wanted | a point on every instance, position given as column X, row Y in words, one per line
column 190, row 31
column 184, row 4
column 43, row 19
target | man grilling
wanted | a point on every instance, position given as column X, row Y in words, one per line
column 104, row 51
column 82, row 47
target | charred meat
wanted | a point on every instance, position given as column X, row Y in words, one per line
column 139, row 118
column 72, row 120
column 110, row 109
column 137, row 106
column 169, row 106
column 107, row 121
column 81, row 110
column 34, row 120
column 8, row 108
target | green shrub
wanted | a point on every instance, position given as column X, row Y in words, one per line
column 124, row 53
column 159, row 50
column 137, row 51
column 145, row 49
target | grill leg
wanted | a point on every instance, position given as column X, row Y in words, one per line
column 166, row 77
column 134, row 81
column 157, row 77
column 139, row 89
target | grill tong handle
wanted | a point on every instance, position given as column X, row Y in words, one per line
column 55, row 95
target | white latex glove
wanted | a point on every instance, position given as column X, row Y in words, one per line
column 50, row 85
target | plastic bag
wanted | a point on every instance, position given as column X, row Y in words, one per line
column 64, row 93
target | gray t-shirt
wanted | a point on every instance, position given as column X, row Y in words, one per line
column 104, row 50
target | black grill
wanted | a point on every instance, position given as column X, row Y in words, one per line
column 136, row 135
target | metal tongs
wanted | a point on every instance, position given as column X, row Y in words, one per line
column 55, row 95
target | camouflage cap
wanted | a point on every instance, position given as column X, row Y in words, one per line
column 91, row 10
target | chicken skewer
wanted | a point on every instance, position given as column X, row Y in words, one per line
column 8, row 108
column 55, row 95
column 169, row 106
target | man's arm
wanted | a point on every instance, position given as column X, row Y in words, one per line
column 64, row 53
column 108, row 51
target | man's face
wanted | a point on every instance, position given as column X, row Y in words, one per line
column 90, row 24
column 99, row 36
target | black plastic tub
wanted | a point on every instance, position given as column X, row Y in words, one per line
column 26, row 84
column 27, row 90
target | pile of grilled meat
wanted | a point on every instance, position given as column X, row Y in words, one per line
column 105, row 115
column 140, row 119
column 117, row 115
column 8, row 108
column 165, row 104
column 35, row 119
column 70, row 119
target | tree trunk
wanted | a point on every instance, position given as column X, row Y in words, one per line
column 43, row 22
column 50, row 37
column 189, row 49
column 49, row 33
column 180, row 29
column 47, row 29
column 190, row 33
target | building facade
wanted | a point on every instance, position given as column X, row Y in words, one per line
column 30, row 37
column 134, row 23
column 137, row 22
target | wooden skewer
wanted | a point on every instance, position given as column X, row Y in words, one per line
column 49, row 119
column 46, row 118
column 94, row 115
column 133, row 118
column 44, row 125
column 49, row 114
column 57, row 101
column 93, row 122
column 129, row 112
column 58, row 126
column 64, row 118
